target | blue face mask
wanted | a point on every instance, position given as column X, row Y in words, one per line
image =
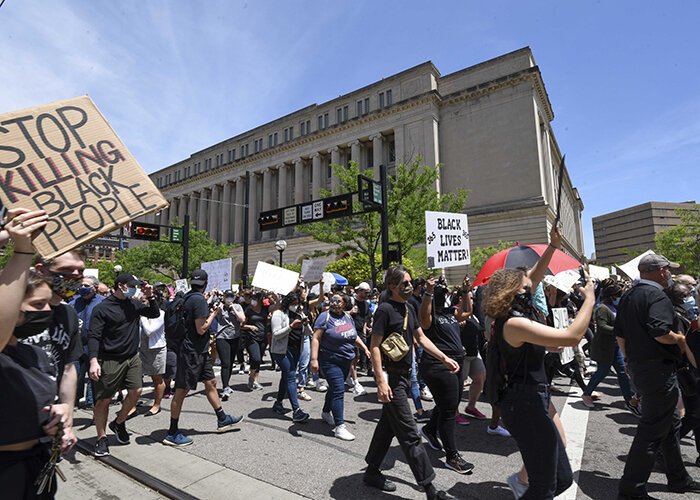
column 84, row 291
column 130, row 292
column 691, row 308
column 616, row 301
column 539, row 300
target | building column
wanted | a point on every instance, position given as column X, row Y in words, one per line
column 335, row 160
column 316, row 176
column 254, row 210
column 268, row 199
column 202, row 210
column 165, row 213
column 399, row 144
column 282, row 189
column 238, row 211
column 225, row 213
column 432, row 144
column 355, row 152
column 213, row 222
column 298, row 181
column 190, row 206
column 181, row 209
column 377, row 153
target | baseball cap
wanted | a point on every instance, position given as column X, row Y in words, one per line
column 363, row 286
column 655, row 261
column 198, row 277
column 127, row 279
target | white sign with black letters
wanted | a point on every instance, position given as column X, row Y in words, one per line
column 446, row 239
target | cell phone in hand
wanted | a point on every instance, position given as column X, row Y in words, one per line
column 582, row 276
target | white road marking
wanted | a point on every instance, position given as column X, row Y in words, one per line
column 575, row 422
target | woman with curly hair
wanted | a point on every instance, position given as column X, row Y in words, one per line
column 604, row 348
column 522, row 341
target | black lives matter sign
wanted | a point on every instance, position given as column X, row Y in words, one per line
column 66, row 159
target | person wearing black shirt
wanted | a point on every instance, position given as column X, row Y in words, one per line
column 394, row 388
column 524, row 401
column 442, row 328
column 113, row 347
column 194, row 362
column 644, row 329
column 257, row 324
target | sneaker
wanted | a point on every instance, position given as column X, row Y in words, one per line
column 516, row 486
column 633, row 408
column 473, row 412
column 327, row 417
column 119, row 431
column 358, row 390
column 690, row 486
column 245, row 368
column 377, row 480
column 461, row 420
column 423, row 417
column 278, row 408
column 349, row 383
column 425, row 394
column 321, row 386
column 342, row 432
column 587, row 401
column 300, row 416
column 310, row 384
column 596, row 395
column 432, row 440
column 498, row 431
column 177, row 440
column 102, row 447
column 228, row 423
column 458, row 464
column 254, row 385
column 304, row 396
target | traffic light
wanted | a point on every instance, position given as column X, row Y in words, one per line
column 269, row 220
column 144, row 231
column 337, row 206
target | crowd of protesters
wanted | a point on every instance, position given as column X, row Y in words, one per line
column 68, row 340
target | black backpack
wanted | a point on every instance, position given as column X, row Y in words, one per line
column 496, row 370
column 175, row 322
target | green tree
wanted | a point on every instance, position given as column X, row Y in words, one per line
column 479, row 255
column 356, row 268
column 159, row 260
column 410, row 193
column 6, row 254
column 682, row 243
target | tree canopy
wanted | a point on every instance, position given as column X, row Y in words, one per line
column 411, row 192
column 682, row 243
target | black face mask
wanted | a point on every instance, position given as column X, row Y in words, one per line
column 35, row 322
column 65, row 285
column 522, row 302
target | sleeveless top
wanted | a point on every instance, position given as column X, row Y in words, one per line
column 524, row 364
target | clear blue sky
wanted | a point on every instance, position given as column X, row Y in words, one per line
column 176, row 76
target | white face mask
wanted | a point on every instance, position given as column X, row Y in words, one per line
column 293, row 308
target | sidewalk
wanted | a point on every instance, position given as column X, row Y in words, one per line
column 195, row 475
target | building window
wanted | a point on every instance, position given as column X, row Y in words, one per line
column 388, row 98
column 363, row 106
column 272, row 140
column 305, row 127
column 257, row 145
column 288, row 134
column 231, row 155
column 323, row 121
column 342, row 114
column 244, row 150
column 366, row 110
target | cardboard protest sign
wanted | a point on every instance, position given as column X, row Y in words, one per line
column 274, row 279
column 630, row 268
column 219, row 272
column 446, row 239
column 312, row 269
column 563, row 280
column 65, row 158
column 561, row 321
column 181, row 286
column 598, row 273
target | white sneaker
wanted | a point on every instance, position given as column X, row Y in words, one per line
column 228, row 391
column 321, row 386
column 498, row 431
column 341, row 432
column 327, row 418
column 358, row 390
column 349, row 382
column 518, row 488
column 425, row 394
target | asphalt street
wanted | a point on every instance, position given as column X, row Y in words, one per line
column 308, row 460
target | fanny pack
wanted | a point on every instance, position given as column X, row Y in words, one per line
column 394, row 346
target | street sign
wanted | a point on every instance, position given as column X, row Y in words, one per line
column 176, row 234
column 304, row 213
column 144, row 231
column 370, row 192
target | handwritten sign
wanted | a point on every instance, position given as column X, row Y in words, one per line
column 181, row 286
column 312, row 269
column 219, row 272
column 65, row 158
column 598, row 272
column 564, row 280
column 274, row 278
column 446, row 239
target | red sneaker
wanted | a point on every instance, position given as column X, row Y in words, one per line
column 461, row 420
column 475, row 413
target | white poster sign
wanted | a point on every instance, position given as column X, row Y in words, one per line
column 312, row 269
column 598, row 273
column 219, row 272
column 181, row 286
column 563, row 280
column 92, row 272
column 561, row 322
column 274, row 278
column 630, row 268
column 446, row 239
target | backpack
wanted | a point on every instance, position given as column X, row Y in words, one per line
column 175, row 322
column 496, row 372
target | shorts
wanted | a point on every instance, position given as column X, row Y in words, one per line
column 192, row 367
column 170, row 364
column 473, row 365
column 118, row 375
column 153, row 361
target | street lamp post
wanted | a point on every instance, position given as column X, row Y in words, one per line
column 281, row 246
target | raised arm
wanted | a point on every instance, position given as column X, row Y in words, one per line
column 539, row 270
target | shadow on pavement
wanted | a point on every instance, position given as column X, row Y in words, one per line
column 625, row 418
column 353, row 488
column 487, row 489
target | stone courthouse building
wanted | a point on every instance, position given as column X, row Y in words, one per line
column 488, row 125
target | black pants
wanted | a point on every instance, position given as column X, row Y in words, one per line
column 447, row 390
column 525, row 411
column 397, row 420
column 256, row 349
column 691, row 420
column 553, row 365
column 657, row 384
column 19, row 470
column 227, row 348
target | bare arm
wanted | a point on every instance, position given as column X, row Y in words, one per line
column 426, row 304
column 315, row 345
column 537, row 273
column 436, row 353
column 202, row 324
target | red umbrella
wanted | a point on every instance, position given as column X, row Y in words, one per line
column 524, row 256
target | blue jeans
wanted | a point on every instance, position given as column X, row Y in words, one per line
column 604, row 369
column 415, row 386
column 335, row 370
column 288, row 384
column 82, row 366
column 525, row 411
column 304, row 360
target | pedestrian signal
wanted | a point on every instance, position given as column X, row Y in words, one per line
column 144, row 231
